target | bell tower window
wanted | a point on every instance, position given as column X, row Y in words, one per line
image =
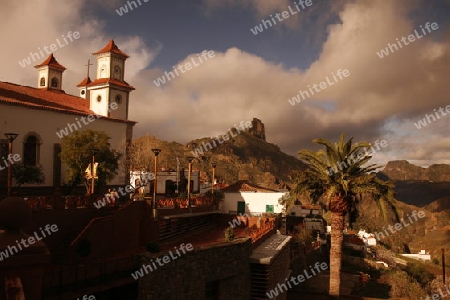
column 54, row 82
column 42, row 82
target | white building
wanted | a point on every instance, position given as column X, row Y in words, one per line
column 368, row 238
column 166, row 181
column 41, row 116
column 244, row 197
column 422, row 255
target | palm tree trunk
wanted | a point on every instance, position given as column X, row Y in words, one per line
column 337, row 236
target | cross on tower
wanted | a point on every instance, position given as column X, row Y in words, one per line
column 88, row 65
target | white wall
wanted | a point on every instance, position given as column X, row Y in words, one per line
column 46, row 123
column 254, row 202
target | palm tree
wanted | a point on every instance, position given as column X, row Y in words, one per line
column 339, row 175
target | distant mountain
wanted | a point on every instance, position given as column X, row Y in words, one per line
column 441, row 204
column 244, row 156
column 416, row 185
column 403, row 170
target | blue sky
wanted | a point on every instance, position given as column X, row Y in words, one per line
column 256, row 75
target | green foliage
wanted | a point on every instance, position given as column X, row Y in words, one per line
column 419, row 272
column 403, row 286
column 229, row 234
column 340, row 186
column 152, row 247
column 304, row 237
column 27, row 174
column 76, row 153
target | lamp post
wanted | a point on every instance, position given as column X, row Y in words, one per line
column 10, row 137
column 190, row 159
column 214, row 165
column 156, row 151
column 94, row 152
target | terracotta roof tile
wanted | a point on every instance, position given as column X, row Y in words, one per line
column 51, row 62
column 353, row 240
column 245, row 186
column 84, row 82
column 18, row 95
column 111, row 81
column 111, row 47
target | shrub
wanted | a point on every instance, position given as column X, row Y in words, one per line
column 419, row 272
column 229, row 234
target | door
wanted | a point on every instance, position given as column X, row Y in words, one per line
column 241, row 207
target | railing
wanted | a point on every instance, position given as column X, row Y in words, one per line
column 171, row 203
column 265, row 228
column 62, row 202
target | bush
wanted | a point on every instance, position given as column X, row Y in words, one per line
column 24, row 174
column 419, row 272
column 229, row 234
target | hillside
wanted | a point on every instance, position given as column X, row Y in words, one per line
column 403, row 170
column 244, row 156
column 431, row 233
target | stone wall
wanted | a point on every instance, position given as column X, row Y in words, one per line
column 224, row 265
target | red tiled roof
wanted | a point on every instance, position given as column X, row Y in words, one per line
column 111, row 47
column 314, row 207
column 245, row 186
column 111, row 81
column 18, row 95
column 51, row 62
column 353, row 240
column 84, row 82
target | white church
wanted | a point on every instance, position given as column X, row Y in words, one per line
column 40, row 115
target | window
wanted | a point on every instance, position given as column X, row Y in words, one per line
column 119, row 99
column 31, row 150
column 42, row 81
column 99, row 98
column 83, row 92
column 269, row 208
column 54, row 82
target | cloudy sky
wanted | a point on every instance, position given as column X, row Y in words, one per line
column 254, row 75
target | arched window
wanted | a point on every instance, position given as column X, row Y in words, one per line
column 54, row 82
column 31, row 150
column 42, row 81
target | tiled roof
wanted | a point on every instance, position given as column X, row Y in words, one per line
column 111, row 47
column 245, row 186
column 353, row 240
column 111, row 81
column 51, row 62
column 84, row 82
column 54, row 100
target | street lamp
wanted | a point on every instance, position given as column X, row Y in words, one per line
column 10, row 137
column 214, row 165
column 189, row 159
column 156, row 151
column 94, row 151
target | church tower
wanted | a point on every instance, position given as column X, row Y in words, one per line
column 50, row 74
column 110, row 86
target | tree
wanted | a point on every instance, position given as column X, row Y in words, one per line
column 76, row 153
column 27, row 174
column 339, row 176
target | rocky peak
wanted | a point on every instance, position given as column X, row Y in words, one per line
column 257, row 129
